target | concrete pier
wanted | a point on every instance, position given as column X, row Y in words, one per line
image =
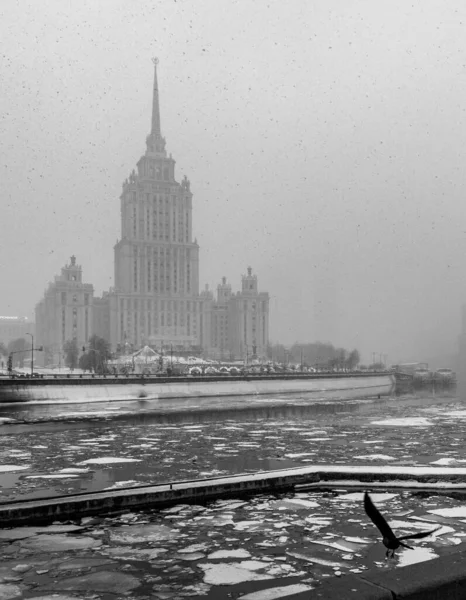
column 203, row 490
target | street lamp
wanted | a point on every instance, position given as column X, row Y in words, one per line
column 32, row 353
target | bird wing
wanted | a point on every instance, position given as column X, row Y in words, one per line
column 422, row 534
column 378, row 520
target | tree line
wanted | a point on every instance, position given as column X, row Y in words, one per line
column 314, row 354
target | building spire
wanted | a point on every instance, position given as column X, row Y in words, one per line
column 154, row 141
column 155, row 103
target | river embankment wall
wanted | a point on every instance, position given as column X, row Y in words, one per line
column 106, row 389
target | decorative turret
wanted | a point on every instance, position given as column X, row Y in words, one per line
column 223, row 291
column 249, row 282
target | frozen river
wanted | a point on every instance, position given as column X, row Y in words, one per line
column 64, row 456
column 233, row 548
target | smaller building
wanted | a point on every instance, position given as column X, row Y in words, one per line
column 13, row 328
column 249, row 320
column 235, row 326
column 64, row 313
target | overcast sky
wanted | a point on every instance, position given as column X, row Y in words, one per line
column 324, row 141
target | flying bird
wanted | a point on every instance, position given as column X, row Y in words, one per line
column 390, row 540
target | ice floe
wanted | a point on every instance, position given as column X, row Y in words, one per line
column 76, row 470
column 131, row 534
column 316, row 560
column 447, row 461
column 359, row 496
column 135, row 553
column 103, row 581
column 194, row 548
column 405, row 422
column 454, row 512
column 59, row 543
column 9, row 591
column 108, row 460
column 342, row 545
column 375, row 457
column 238, row 553
column 52, row 476
column 231, row 574
column 247, row 525
column 299, row 454
column 13, row 468
column 277, row 592
column 298, row 503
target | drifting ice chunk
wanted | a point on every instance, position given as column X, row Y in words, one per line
column 278, row 592
column 107, row 460
column 229, row 574
column 240, row 553
column 375, row 457
column 12, row 468
column 406, row 422
column 455, row 512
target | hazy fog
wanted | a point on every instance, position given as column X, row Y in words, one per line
column 324, row 141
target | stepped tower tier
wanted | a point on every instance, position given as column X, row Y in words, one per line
column 156, row 295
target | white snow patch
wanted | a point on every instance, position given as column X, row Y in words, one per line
column 419, row 554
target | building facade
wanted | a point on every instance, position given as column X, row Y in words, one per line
column 155, row 299
column 13, row 328
column 64, row 313
column 156, row 295
column 235, row 325
column 249, row 319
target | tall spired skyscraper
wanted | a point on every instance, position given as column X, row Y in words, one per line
column 156, row 295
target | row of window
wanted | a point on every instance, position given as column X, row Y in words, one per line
column 155, row 223
column 73, row 298
column 153, row 324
